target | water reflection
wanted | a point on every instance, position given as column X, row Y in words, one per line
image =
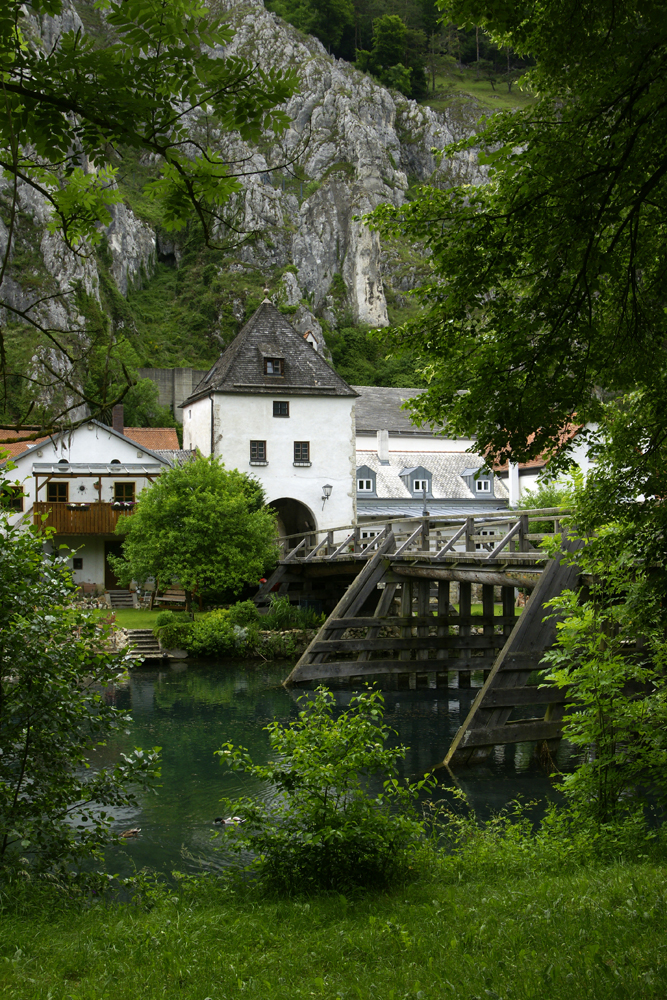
column 190, row 711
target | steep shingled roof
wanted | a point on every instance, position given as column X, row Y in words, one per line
column 379, row 408
column 267, row 334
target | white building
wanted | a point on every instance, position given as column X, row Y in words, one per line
column 81, row 482
column 273, row 407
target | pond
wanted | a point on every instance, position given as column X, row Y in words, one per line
column 191, row 709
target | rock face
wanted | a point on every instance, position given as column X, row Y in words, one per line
column 357, row 144
column 352, row 145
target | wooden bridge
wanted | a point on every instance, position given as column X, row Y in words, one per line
column 395, row 586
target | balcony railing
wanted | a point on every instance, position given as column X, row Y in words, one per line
column 98, row 519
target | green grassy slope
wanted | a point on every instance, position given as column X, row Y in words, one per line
column 591, row 935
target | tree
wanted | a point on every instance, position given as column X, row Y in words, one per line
column 54, row 717
column 152, row 81
column 200, row 524
column 329, row 19
column 547, row 294
column 325, row 830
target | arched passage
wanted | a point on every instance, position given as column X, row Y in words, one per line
column 294, row 518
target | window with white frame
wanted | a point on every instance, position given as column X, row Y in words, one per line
column 483, row 485
column 420, row 485
column 364, row 485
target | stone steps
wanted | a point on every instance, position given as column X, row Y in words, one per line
column 121, row 599
column 144, row 644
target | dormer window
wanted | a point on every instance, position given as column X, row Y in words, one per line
column 482, row 486
column 420, row 485
column 479, row 481
column 366, row 481
column 274, row 366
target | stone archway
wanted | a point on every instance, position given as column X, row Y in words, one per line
column 294, row 518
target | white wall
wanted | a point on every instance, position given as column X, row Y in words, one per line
column 403, row 443
column 90, row 548
column 326, row 422
column 90, row 443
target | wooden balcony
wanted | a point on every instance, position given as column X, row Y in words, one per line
column 99, row 519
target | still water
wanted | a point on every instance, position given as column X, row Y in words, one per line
column 191, row 709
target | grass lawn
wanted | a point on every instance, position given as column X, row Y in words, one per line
column 455, row 87
column 135, row 617
column 590, row 935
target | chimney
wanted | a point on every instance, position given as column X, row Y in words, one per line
column 117, row 420
column 383, row 447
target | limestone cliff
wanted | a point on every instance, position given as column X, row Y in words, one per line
column 352, row 145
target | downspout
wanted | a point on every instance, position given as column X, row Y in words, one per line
column 212, row 427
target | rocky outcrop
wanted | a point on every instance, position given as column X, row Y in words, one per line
column 351, row 146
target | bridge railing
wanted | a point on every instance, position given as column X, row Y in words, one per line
column 483, row 537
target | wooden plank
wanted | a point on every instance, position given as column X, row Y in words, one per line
column 476, row 621
column 463, row 642
column 355, row 668
column 409, row 541
column 505, row 541
column 443, row 611
column 526, row 695
column 532, row 635
column 483, row 576
column 451, row 543
column 336, row 552
column 293, row 553
column 383, row 606
column 351, row 601
column 518, row 732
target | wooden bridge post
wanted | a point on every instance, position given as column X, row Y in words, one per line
column 443, row 609
column 465, row 611
column 425, row 535
column 488, row 617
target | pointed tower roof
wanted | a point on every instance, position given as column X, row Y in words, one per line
column 269, row 357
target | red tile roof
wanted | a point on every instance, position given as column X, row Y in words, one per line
column 164, row 438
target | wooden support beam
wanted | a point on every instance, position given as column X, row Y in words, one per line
column 519, row 732
column 494, row 577
column 465, row 604
column 411, row 642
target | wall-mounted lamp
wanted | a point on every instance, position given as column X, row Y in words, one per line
column 326, row 493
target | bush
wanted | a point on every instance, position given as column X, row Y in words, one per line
column 282, row 616
column 175, row 634
column 55, row 808
column 243, row 613
column 325, row 830
column 216, row 635
column 164, row 618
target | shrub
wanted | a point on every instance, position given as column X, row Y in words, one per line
column 325, row 830
column 282, row 616
column 175, row 635
column 164, row 618
column 216, row 635
column 243, row 613
column 55, row 807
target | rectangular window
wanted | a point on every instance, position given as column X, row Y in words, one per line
column 365, row 485
column 77, row 562
column 273, row 366
column 483, row 486
column 11, row 497
column 123, row 491
column 302, row 451
column 421, row 485
column 57, row 492
column 280, row 409
column 258, row 451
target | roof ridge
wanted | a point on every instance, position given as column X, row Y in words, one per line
column 269, row 334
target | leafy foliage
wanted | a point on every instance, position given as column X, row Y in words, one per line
column 326, row 830
column 54, row 717
column 200, row 524
column 617, row 707
column 548, row 279
column 151, row 81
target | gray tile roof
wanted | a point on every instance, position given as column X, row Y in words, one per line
column 177, row 456
column 446, row 469
column 379, row 409
column 268, row 334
